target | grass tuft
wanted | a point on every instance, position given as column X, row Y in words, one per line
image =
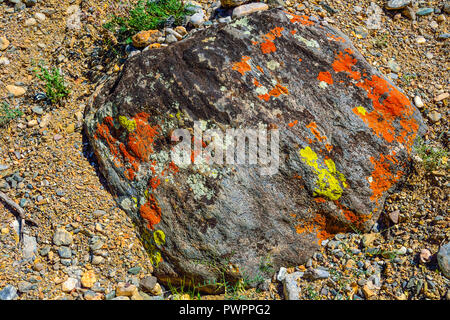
column 147, row 15
column 7, row 114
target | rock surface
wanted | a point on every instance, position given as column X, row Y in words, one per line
column 345, row 137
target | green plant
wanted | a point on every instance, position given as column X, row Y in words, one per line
column 432, row 157
column 381, row 42
column 55, row 87
column 147, row 15
column 7, row 114
column 407, row 77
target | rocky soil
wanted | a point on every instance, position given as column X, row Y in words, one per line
column 83, row 247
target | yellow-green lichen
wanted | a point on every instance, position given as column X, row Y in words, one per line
column 159, row 237
column 361, row 110
column 329, row 180
column 129, row 125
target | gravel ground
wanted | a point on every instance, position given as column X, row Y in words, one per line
column 84, row 247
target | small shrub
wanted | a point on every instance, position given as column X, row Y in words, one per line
column 432, row 157
column 147, row 15
column 7, row 114
column 55, row 88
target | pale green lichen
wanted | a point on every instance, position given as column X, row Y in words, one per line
column 310, row 43
column 272, row 65
column 323, row 84
column 196, row 183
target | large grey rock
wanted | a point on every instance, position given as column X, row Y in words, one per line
column 345, row 137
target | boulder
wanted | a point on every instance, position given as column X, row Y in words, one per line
column 323, row 138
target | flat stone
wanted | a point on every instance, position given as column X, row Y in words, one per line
column 443, row 258
column 397, row 4
column 4, row 43
column 421, row 40
column 16, row 91
column 65, row 252
column 443, row 36
column 24, row 286
column 62, row 238
column 144, row 38
column 435, row 116
column 197, row 19
column 418, row 102
column 30, row 22
column 40, row 16
column 125, row 289
column 69, row 285
column 291, row 287
column 393, row 65
column 442, row 96
column 29, row 248
column 232, row 3
column 424, row 11
column 316, row 274
column 247, row 9
column 148, row 283
column 9, row 292
column 88, row 279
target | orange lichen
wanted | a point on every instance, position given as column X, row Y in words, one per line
column 256, row 83
column 344, row 63
column 141, row 140
column 303, row 19
column 382, row 179
column 293, row 123
column 313, row 127
column 323, row 226
column 390, row 107
column 326, row 77
column 242, row 67
column 264, row 97
column 151, row 212
column 268, row 45
column 278, row 90
column 335, row 38
column 394, row 106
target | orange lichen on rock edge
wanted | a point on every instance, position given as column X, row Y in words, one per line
column 303, row 19
column 382, row 179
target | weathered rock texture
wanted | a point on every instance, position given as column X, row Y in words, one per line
column 345, row 138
